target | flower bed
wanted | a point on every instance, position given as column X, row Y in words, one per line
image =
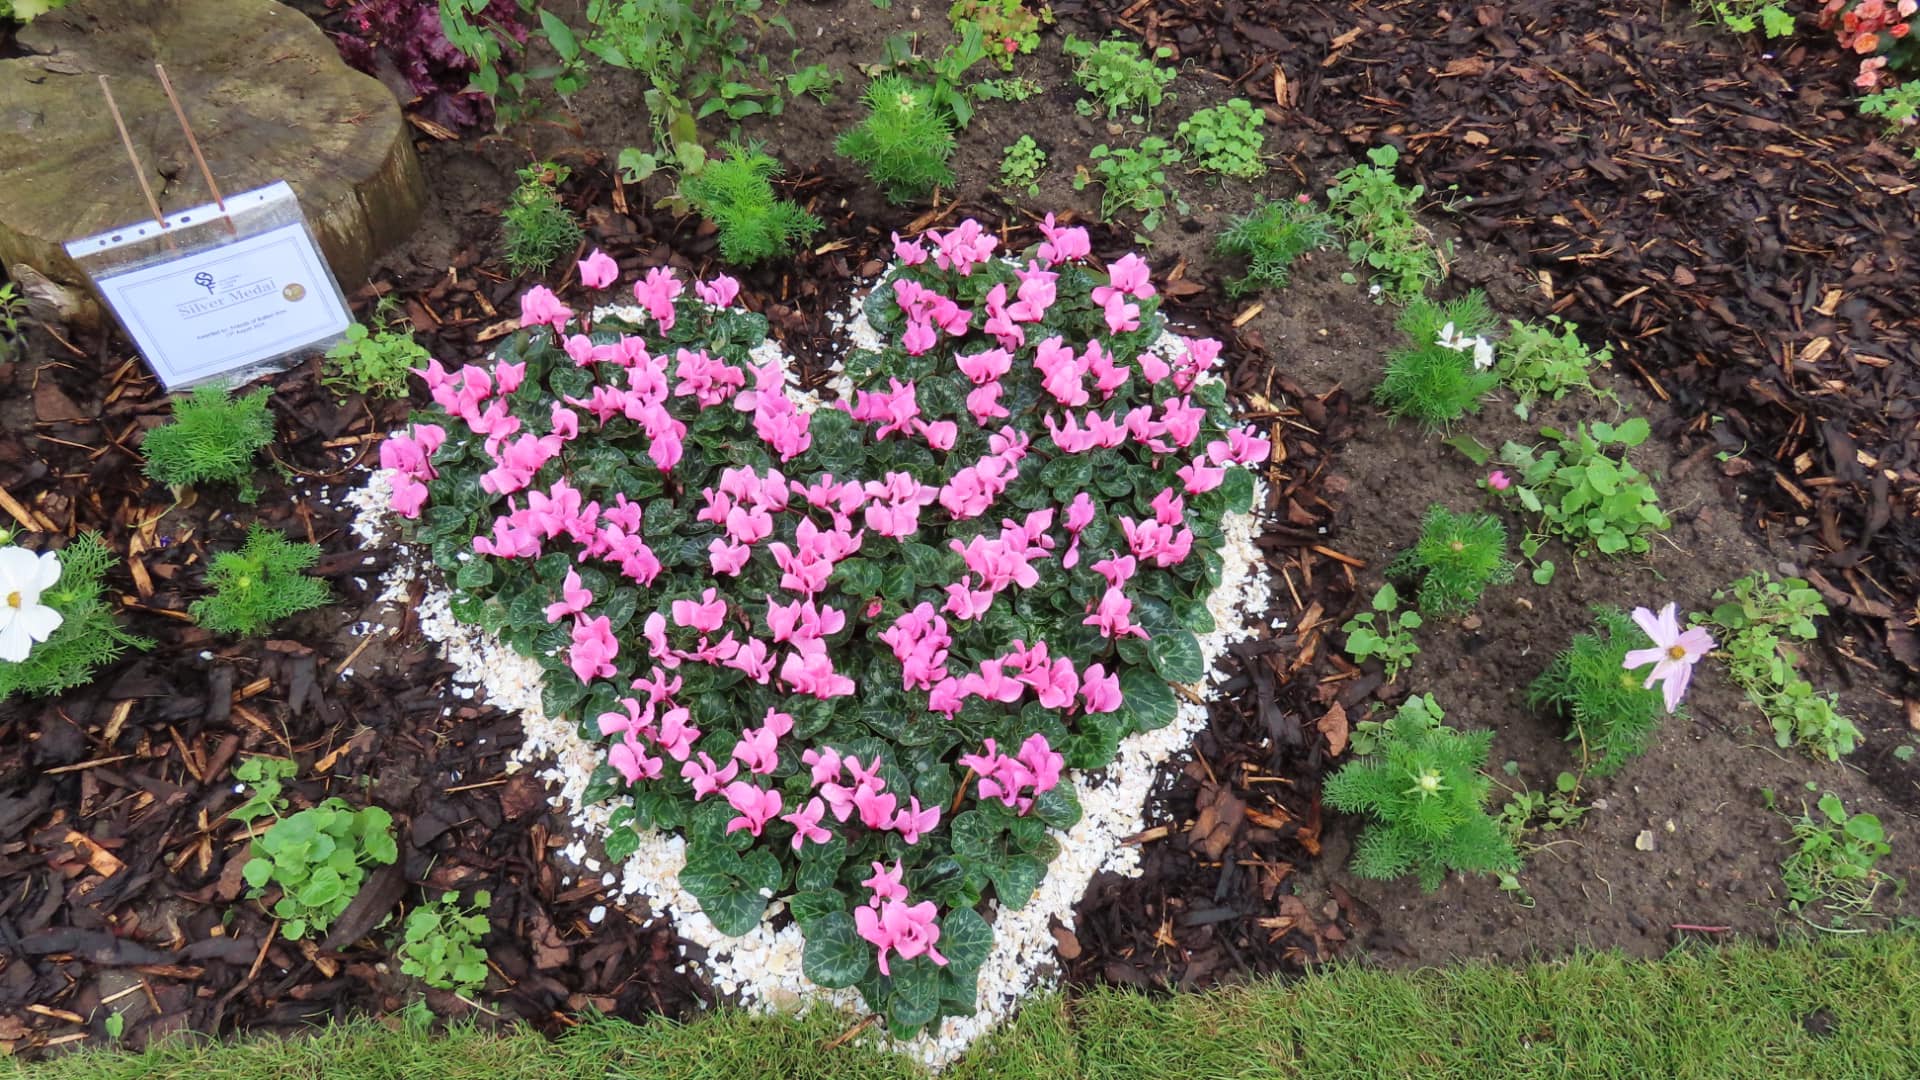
column 832, row 680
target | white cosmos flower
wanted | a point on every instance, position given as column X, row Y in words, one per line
column 1449, row 338
column 23, row 618
column 1482, row 354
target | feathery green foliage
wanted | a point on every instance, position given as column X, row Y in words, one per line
column 1227, row 139
column 87, row 638
column 735, row 192
column 1376, row 214
column 1270, row 239
column 259, row 585
column 1115, row 75
column 1420, row 781
column 535, row 229
column 213, row 437
column 1429, row 380
column 1549, row 361
column 905, row 141
column 1754, row 620
column 1455, row 559
column 373, row 363
column 1606, row 707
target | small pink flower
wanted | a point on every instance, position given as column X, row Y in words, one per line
column 756, row 806
column 1673, row 654
column 1498, row 480
column 806, row 824
column 598, row 270
column 717, row 293
column 885, row 884
column 574, row 599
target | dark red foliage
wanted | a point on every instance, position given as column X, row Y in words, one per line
column 403, row 38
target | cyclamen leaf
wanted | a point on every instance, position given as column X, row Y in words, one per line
column 835, row 955
column 1176, row 656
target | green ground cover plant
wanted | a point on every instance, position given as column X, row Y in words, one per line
column 259, row 585
column 1456, row 557
column 1446, row 367
column 1117, row 77
column 1385, row 632
column 535, row 229
column 13, row 312
column 1420, row 782
column 1021, row 165
column 1833, row 868
column 265, row 778
column 213, row 438
column 1269, row 239
column 1732, row 1013
column 735, row 192
column 1605, row 705
column 1226, row 139
column 317, row 859
column 1133, row 180
column 1009, row 89
column 373, row 362
column 1897, row 106
column 1549, row 361
column 1758, row 619
column 1009, row 27
column 1376, row 215
column 905, row 142
column 1584, row 489
column 87, row 637
column 441, row 943
column 1746, row 16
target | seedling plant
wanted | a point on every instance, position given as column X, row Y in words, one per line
column 373, row 362
column 1376, row 215
column 1420, row 782
column 735, row 192
column 1269, row 239
column 1456, row 557
column 213, row 438
column 768, row 615
column 905, row 142
column 1446, row 367
column 259, row 585
column 536, row 230
column 1133, row 180
column 1549, row 361
column 1226, row 139
column 264, row 778
column 1758, row 618
column 441, row 943
column 317, row 858
column 1833, row 868
column 1116, row 77
column 1385, row 632
column 1022, row 164
column 1584, row 489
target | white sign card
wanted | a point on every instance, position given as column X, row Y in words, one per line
column 205, row 311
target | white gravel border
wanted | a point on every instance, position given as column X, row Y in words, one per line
column 761, row 970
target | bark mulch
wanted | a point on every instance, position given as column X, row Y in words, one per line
column 1719, row 212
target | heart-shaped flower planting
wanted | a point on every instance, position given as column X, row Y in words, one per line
column 847, row 650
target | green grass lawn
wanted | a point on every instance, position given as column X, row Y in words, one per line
column 1824, row 1010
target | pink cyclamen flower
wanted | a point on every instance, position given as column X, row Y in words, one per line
column 598, row 270
column 912, row 821
column 540, row 307
column 894, row 926
column 1498, row 480
column 574, row 599
column 886, row 884
column 1673, row 654
column 756, row 806
column 719, row 292
column 806, row 824
column 594, row 648
column 655, row 292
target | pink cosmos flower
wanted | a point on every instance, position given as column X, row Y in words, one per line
column 717, row 293
column 1673, row 654
column 755, row 804
column 598, row 270
column 806, row 824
